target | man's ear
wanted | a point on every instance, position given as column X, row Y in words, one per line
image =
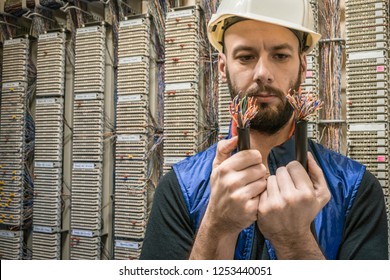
column 303, row 59
column 222, row 66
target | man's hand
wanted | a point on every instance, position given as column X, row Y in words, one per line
column 291, row 202
column 236, row 184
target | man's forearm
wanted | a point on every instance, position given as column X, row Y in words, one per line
column 210, row 244
column 299, row 249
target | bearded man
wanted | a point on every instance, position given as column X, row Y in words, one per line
column 260, row 203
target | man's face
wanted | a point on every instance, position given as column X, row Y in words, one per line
column 263, row 60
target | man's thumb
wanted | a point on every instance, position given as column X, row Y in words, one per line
column 224, row 150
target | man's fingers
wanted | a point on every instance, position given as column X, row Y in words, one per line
column 253, row 189
column 224, row 150
column 318, row 179
column 284, row 180
column 272, row 187
column 315, row 172
column 298, row 175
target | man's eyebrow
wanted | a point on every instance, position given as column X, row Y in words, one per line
column 280, row 47
column 242, row 48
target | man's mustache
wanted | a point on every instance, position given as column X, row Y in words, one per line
column 269, row 90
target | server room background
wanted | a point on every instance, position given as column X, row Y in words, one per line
column 100, row 98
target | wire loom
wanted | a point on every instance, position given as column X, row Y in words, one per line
column 304, row 105
column 242, row 112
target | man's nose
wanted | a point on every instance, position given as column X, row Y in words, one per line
column 263, row 73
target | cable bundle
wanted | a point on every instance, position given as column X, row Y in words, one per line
column 331, row 63
column 304, row 105
column 242, row 112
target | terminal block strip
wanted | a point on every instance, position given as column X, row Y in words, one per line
column 87, row 154
column 367, row 65
column 15, row 191
column 182, row 97
column 134, row 135
column 49, row 124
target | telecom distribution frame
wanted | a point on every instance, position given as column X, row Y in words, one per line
column 184, row 91
column 135, row 107
column 87, row 157
column 49, row 124
column 15, row 180
column 367, row 66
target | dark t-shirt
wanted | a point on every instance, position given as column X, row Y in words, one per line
column 169, row 234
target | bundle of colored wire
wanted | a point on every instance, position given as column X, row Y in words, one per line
column 331, row 54
column 303, row 103
column 243, row 110
column 158, row 11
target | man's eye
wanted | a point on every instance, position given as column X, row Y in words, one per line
column 246, row 57
column 281, row 56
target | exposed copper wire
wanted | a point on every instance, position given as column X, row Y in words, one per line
column 243, row 110
column 304, row 103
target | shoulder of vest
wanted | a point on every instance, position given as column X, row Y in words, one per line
column 193, row 173
column 342, row 173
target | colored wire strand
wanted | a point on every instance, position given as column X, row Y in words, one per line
column 243, row 110
column 304, row 104
column 331, row 63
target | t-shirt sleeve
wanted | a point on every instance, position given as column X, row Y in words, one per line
column 169, row 234
column 365, row 231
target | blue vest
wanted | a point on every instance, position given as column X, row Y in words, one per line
column 342, row 174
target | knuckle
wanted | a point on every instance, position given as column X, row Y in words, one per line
column 307, row 196
column 263, row 168
column 262, row 210
column 215, row 174
column 280, row 205
column 277, row 208
column 222, row 170
column 281, row 170
column 327, row 195
column 252, row 156
column 221, row 174
column 221, row 146
column 250, row 208
column 229, row 186
column 289, row 198
column 261, row 185
column 257, row 155
column 293, row 166
column 277, row 205
column 236, row 198
column 261, row 171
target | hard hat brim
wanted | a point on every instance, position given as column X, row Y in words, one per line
column 215, row 29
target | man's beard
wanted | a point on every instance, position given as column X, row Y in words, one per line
column 269, row 119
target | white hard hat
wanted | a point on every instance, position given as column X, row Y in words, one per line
column 295, row 15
